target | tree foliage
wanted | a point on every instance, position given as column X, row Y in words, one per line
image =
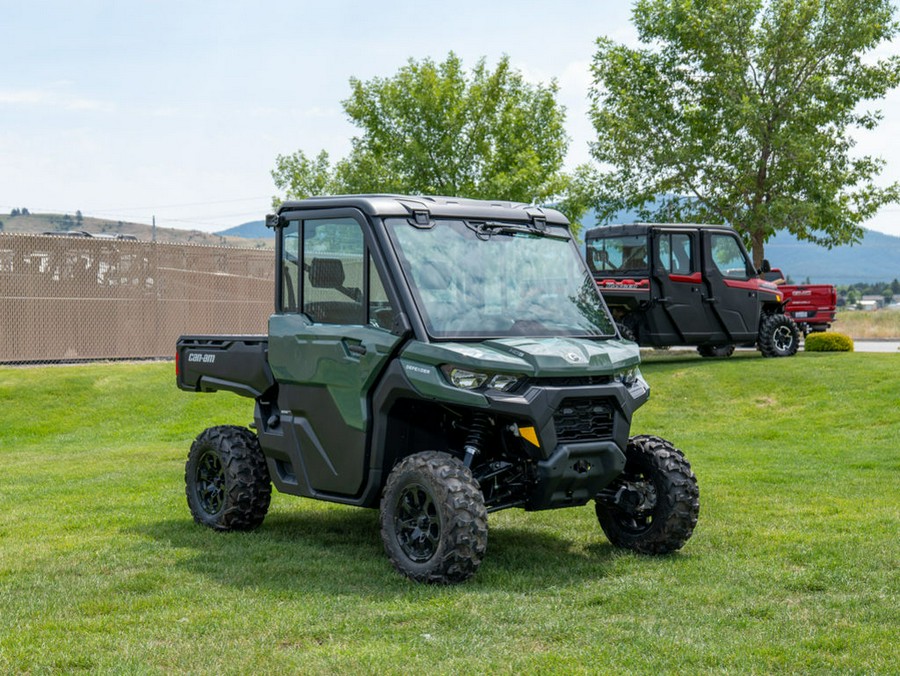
column 741, row 111
column 433, row 128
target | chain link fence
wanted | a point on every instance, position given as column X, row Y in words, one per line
column 72, row 298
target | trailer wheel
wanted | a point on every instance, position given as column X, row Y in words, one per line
column 778, row 336
column 652, row 507
column 433, row 519
column 226, row 479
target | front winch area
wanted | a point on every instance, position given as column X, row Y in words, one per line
column 583, row 419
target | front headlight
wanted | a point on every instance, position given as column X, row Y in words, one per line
column 503, row 382
column 627, row 377
column 463, row 379
column 474, row 380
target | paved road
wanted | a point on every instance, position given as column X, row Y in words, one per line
column 892, row 346
column 877, row 346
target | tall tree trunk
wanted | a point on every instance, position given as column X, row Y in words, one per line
column 757, row 247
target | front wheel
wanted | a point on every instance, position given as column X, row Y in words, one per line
column 226, row 479
column 778, row 336
column 433, row 519
column 652, row 507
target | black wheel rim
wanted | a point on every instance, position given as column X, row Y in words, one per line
column 783, row 339
column 210, row 483
column 417, row 523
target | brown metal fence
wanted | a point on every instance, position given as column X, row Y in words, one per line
column 70, row 298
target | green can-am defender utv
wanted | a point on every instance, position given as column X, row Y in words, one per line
column 440, row 359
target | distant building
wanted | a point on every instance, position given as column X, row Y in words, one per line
column 872, row 302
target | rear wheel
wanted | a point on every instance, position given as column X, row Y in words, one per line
column 778, row 336
column 433, row 519
column 652, row 507
column 226, row 479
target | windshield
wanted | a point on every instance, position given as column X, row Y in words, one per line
column 492, row 280
column 618, row 255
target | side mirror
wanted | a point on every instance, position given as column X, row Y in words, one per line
column 326, row 273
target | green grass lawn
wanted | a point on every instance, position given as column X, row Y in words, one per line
column 793, row 566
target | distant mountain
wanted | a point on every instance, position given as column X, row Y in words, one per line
column 39, row 223
column 875, row 259
column 251, row 230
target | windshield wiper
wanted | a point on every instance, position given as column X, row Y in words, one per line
column 487, row 229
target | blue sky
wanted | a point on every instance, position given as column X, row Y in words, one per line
column 178, row 109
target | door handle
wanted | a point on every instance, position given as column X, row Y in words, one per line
column 357, row 349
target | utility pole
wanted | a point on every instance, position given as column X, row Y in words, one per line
column 153, row 238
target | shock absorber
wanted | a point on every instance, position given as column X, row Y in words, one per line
column 475, row 439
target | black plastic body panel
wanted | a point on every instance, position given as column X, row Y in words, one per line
column 231, row 363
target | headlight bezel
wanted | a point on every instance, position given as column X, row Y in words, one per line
column 473, row 380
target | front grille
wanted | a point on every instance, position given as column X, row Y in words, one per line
column 571, row 381
column 583, row 419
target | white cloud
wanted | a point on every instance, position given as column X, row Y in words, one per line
column 51, row 97
column 23, row 97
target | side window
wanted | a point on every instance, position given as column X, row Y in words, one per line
column 728, row 257
column 676, row 254
column 617, row 254
column 333, row 274
column 290, row 266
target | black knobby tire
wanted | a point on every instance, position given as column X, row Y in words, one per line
column 665, row 517
column 433, row 519
column 716, row 350
column 226, row 479
column 778, row 336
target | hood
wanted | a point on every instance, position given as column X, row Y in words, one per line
column 540, row 357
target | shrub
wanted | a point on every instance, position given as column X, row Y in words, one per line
column 828, row 342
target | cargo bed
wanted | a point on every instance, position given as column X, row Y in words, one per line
column 236, row 364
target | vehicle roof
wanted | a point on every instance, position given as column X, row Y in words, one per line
column 632, row 229
column 450, row 207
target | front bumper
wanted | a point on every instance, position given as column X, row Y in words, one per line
column 582, row 433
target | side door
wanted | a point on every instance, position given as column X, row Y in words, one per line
column 329, row 340
column 733, row 293
column 677, row 277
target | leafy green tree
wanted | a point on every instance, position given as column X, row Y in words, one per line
column 741, row 111
column 300, row 176
column 433, row 128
